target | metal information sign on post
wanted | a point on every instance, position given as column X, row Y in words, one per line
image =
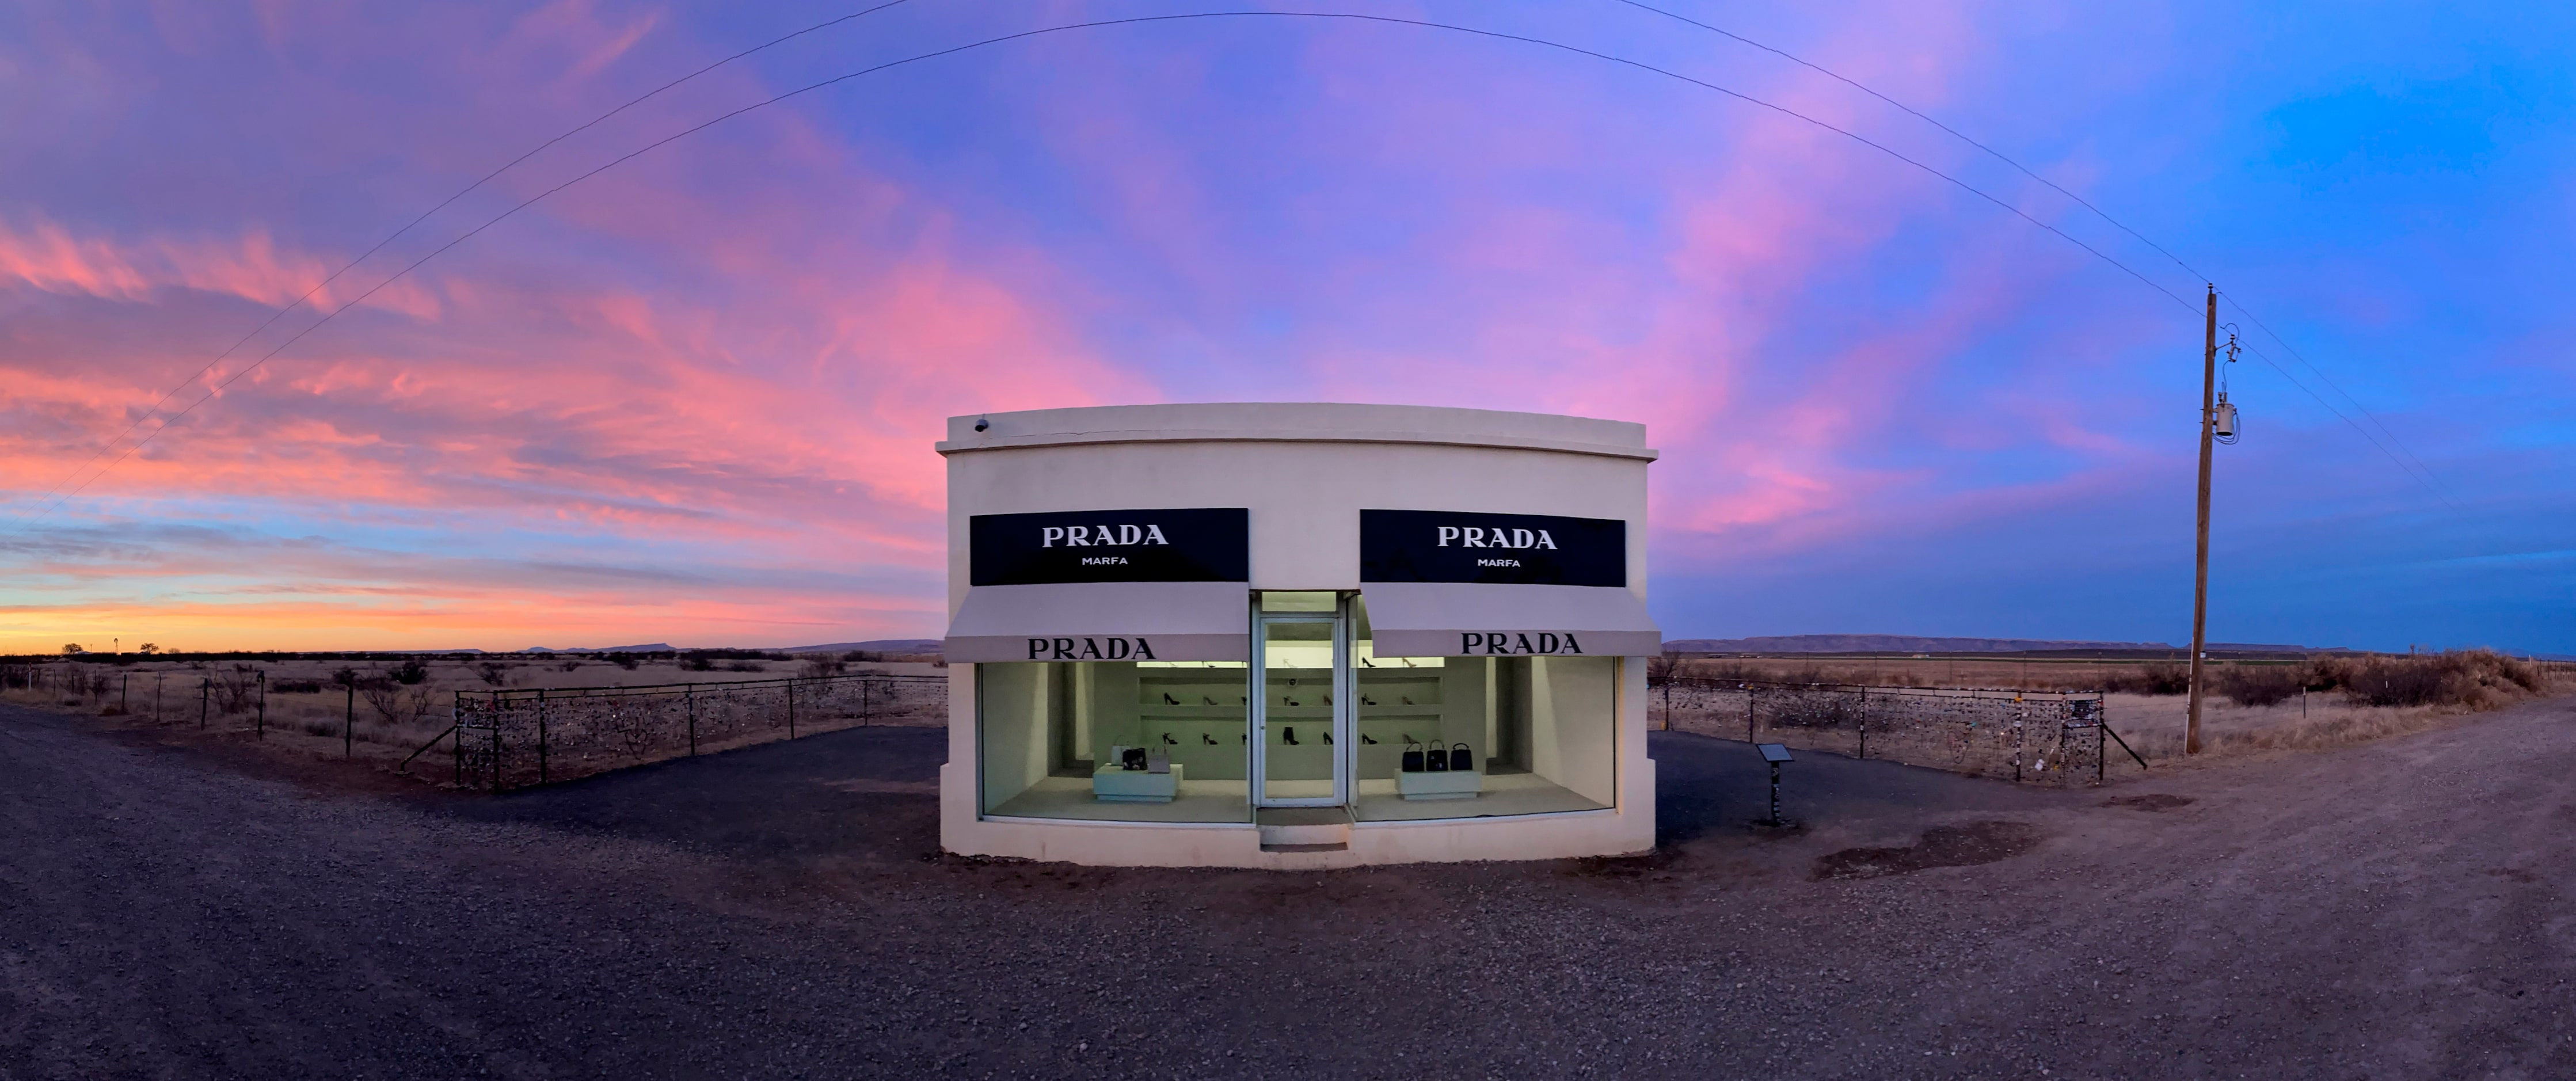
column 1775, row 754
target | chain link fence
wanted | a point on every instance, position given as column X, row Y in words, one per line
column 507, row 739
column 2044, row 737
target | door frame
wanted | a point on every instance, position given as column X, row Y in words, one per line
column 1345, row 727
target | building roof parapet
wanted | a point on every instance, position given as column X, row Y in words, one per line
column 1301, row 422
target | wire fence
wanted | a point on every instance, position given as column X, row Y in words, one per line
column 195, row 695
column 2044, row 737
column 506, row 739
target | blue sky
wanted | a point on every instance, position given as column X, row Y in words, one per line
column 691, row 399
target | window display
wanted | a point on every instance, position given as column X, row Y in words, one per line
column 1418, row 737
column 1465, row 737
column 1151, row 741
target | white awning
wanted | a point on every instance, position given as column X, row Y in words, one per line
column 1103, row 621
column 1459, row 619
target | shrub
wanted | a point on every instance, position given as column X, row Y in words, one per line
column 2259, row 685
column 412, row 673
column 296, row 686
column 746, row 666
column 697, row 661
column 820, row 667
column 624, row 660
column 2460, row 677
column 2152, row 679
column 494, row 673
column 238, row 691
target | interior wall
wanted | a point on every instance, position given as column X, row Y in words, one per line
column 1575, row 708
column 1114, row 719
column 1014, row 715
column 1466, row 711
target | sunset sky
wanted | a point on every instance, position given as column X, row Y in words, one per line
column 692, row 398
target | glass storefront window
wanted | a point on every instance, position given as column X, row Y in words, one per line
column 1516, row 735
column 1539, row 733
column 1054, row 735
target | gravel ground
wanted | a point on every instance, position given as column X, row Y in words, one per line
column 2396, row 910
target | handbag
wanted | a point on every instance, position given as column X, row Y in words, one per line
column 1158, row 760
column 1437, row 759
column 1412, row 757
column 1132, row 758
column 1461, row 758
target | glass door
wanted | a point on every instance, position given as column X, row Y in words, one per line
column 1302, row 726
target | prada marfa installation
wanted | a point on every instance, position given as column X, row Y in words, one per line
column 1296, row 635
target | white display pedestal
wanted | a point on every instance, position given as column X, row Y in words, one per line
column 1110, row 784
column 1446, row 784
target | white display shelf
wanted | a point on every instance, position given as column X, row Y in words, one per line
column 1112, row 784
column 1446, row 784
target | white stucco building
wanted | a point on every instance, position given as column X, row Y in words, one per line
column 1296, row 635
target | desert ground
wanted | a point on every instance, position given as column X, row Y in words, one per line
column 192, row 907
column 380, row 720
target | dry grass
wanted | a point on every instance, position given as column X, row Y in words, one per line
column 308, row 707
column 2255, row 706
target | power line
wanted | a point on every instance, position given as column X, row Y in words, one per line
column 2416, row 471
column 414, row 223
column 2294, row 353
column 1100, row 24
column 2418, row 467
column 1926, row 118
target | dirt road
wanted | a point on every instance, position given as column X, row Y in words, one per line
column 2406, row 909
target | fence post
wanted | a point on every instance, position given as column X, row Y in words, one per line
column 689, row 692
column 1864, row 722
column 1748, row 712
column 791, row 707
column 863, row 702
column 125, row 697
column 456, row 732
column 205, row 686
column 541, row 735
column 2020, row 736
column 348, row 718
column 261, row 725
column 156, row 697
column 496, row 742
column 2101, row 736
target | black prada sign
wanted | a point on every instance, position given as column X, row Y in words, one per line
column 1190, row 545
column 1090, row 649
column 1501, row 549
column 1517, row 643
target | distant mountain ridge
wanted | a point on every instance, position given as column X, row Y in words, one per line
column 1906, row 643
column 878, row 645
column 653, row 647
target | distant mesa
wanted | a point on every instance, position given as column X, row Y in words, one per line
column 880, row 645
column 1901, row 643
column 656, row 647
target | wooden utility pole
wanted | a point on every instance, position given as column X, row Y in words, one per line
column 2200, row 561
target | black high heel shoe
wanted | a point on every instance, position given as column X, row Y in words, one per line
column 1288, row 736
